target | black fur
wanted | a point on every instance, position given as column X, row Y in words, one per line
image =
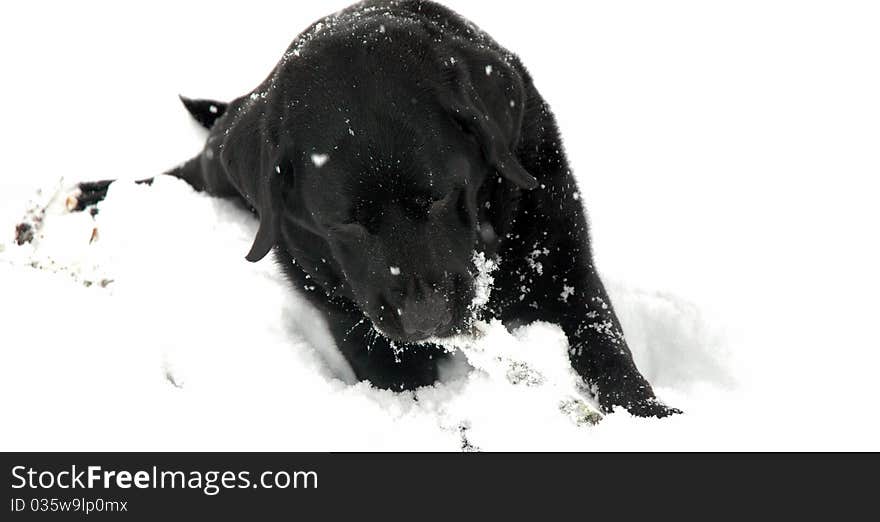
column 206, row 112
column 391, row 141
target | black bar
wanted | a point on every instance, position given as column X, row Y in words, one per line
column 415, row 486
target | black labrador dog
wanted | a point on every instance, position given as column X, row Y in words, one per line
column 392, row 142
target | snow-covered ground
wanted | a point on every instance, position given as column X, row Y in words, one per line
column 729, row 157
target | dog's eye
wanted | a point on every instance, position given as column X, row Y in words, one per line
column 463, row 126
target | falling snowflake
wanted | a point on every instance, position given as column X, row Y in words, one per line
column 320, row 160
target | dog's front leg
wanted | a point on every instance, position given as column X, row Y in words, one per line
column 599, row 353
column 597, row 347
column 554, row 281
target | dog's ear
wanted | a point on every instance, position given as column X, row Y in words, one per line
column 269, row 207
column 466, row 106
column 260, row 170
column 206, row 112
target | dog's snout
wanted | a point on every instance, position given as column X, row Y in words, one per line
column 426, row 316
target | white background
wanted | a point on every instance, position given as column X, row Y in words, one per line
column 729, row 152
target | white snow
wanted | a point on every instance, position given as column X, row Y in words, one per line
column 483, row 280
column 164, row 330
column 567, row 291
column 731, row 186
column 319, row 160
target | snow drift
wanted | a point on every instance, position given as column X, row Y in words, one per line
column 145, row 328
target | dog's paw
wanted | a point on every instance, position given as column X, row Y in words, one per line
column 87, row 194
column 646, row 407
column 652, row 408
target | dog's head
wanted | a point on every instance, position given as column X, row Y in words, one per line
column 391, row 197
column 403, row 235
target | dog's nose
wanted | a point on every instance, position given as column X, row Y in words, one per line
column 426, row 316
